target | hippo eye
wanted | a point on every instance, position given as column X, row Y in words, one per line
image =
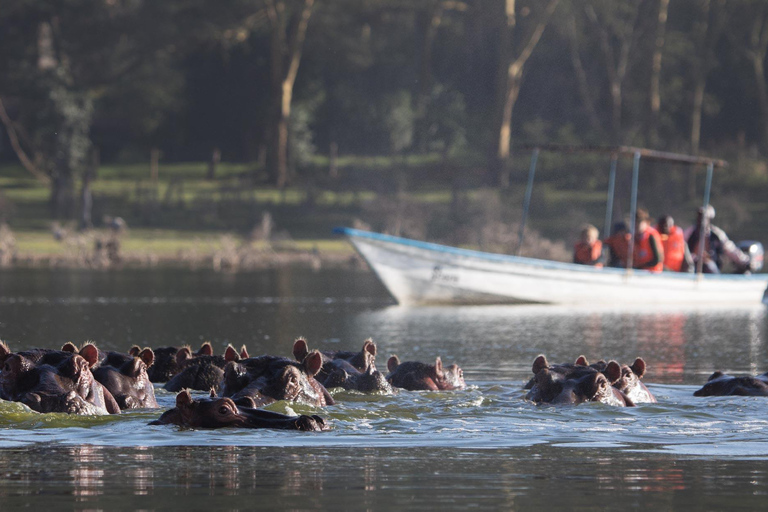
column 224, row 410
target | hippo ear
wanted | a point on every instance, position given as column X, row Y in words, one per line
column 213, row 393
column 581, row 361
column 147, row 355
column 638, row 367
column 90, row 353
column 369, row 346
column 183, row 398
column 393, row 363
column 612, row 371
column 69, row 347
column 4, row 352
column 300, row 349
column 206, row 349
column 244, row 353
column 439, row 366
column 313, row 362
column 539, row 364
column 715, row 375
column 231, row 354
column 183, row 355
column 134, row 351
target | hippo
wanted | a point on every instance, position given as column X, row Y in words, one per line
column 258, row 381
column 202, row 372
column 216, row 412
column 575, row 384
column 413, row 375
column 721, row 384
column 628, row 383
column 348, row 370
column 166, row 365
column 55, row 381
column 125, row 376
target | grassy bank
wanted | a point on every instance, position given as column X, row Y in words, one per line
column 183, row 217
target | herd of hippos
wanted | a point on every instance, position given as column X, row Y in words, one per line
column 89, row 381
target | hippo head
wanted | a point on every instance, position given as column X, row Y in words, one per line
column 448, row 377
column 293, row 381
column 366, row 358
column 721, row 384
column 14, row 375
column 216, row 412
column 371, row 381
column 164, row 366
column 575, row 384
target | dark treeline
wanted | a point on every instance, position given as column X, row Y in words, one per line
column 278, row 82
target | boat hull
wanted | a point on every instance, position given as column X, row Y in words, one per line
column 417, row 272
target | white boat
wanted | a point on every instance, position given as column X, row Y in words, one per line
column 417, row 272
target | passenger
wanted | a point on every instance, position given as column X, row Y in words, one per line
column 618, row 245
column 588, row 250
column 648, row 253
column 677, row 257
column 716, row 245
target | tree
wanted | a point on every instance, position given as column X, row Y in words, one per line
column 288, row 28
column 516, row 44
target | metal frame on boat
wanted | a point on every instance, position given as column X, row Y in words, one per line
column 417, row 272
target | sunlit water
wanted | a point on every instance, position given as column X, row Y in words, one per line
column 484, row 446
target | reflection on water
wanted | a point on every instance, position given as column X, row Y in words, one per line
column 243, row 478
column 484, row 447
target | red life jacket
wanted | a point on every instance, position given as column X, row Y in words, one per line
column 644, row 253
column 586, row 254
column 674, row 249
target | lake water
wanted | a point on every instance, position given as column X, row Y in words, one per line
column 484, row 447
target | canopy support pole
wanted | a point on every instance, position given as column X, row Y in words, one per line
column 704, row 225
column 633, row 211
column 527, row 201
column 609, row 201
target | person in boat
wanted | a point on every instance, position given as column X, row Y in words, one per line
column 717, row 246
column 589, row 249
column 648, row 253
column 677, row 257
column 618, row 245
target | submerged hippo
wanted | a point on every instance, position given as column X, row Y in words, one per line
column 202, row 371
column 348, row 370
column 223, row 412
column 721, row 384
column 628, row 382
column 265, row 379
column 413, row 375
column 54, row 381
column 575, row 384
column 166, row 364
column 126, row 378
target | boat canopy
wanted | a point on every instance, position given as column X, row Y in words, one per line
column 637, row 154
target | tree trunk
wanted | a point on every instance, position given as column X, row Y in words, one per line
column 655, row 92
column 432, row 19
column 511, row 76
column 287, row 40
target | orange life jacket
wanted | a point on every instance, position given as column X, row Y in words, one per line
column 618, row 243
column 644, row 253
column 586, row 254
column 674, row 249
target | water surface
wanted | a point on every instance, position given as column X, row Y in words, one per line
column 484, row 446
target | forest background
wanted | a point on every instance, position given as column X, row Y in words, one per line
column 230, row 131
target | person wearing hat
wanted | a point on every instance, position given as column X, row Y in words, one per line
column 716, row 245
